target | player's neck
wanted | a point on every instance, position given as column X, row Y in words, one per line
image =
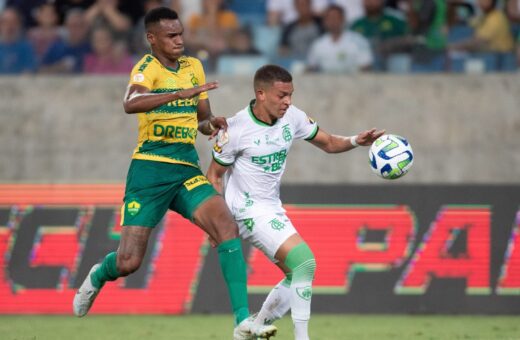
column 262, row 115
column 172, row 64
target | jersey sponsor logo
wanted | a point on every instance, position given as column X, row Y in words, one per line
column 196, row 181
column 133, row 207
column 191, row 102
column 304, row 292
column 272, row 162
column 174, row 131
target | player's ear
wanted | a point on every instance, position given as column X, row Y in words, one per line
column 260, row 95
column 150, row 37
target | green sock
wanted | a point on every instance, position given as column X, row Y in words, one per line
column 106, row 272
column 233, row 268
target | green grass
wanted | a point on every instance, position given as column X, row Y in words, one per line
column 194, row 327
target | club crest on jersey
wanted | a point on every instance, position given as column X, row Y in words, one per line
column 133, row 207
column 286, row 133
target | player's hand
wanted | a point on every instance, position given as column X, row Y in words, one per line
column 218, row 123
column 195, row 91
column 367, row 137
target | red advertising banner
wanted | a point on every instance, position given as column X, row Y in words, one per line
column 50, row 236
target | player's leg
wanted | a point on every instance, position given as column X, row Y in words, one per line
column 299, row 259
column 198, row 201
column 125, row 261
column 148, row 194
column 277, row 302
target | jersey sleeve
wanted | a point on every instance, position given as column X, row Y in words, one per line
column 144, row 73
column 304, row 126
column 226, row 145
column 200, row 75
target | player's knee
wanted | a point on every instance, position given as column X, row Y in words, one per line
column 128, row 263
column 225, row 227
column 300, row 260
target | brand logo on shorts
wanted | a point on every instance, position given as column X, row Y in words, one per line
column 276, row 224
column 304, row 292
column 133, row 207
column 194, row 182
column 249, row 223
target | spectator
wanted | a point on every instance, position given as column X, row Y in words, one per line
column 427, row 20
column 513, row 13
column 65, row 6
column 283, row 12
column 105, row 13
column 241, row 43
column 381, row 27
column 339, row 50
column 299, row 34
column 46, row 32
column 354, row 9
column 67, row 54
column 209, row 32
column 16, row 53
column 492, row 32
column 108, row 56
column 26, row 9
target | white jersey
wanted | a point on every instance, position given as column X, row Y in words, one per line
column 256, row 154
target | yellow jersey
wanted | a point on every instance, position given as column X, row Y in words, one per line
column 168, row 132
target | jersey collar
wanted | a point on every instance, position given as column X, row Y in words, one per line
column 255, row 119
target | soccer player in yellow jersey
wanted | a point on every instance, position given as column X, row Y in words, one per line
column 168, row 92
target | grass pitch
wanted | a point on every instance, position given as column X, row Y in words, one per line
column 204, row 327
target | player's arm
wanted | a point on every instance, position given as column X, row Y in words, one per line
column 335, row 144
column 209, row 125
column 139, row 99
column 215, row 175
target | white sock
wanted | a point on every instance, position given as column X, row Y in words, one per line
column 301, row 330
column 301, row 293
column 276, row 305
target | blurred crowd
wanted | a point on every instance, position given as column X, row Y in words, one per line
column 236, row 36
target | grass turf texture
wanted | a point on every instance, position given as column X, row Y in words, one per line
column 204, row 327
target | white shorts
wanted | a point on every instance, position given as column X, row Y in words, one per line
column 267, row 232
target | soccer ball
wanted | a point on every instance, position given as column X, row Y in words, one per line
column 390, row 156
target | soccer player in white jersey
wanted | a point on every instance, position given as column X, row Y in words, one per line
column 251, row 156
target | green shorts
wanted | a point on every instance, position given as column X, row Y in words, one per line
column 154, row 187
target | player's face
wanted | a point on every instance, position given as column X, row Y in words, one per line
column 166, row 39
column 277, row 99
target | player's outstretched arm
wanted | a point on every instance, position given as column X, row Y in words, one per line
column 215, row 175
column 335, row 144
column 139, row 99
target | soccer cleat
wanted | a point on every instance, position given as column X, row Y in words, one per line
column 248, row 330
column 85, row 295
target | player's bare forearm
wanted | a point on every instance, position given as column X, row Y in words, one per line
column 139, row 99
column 336, row 144
column 144, row 102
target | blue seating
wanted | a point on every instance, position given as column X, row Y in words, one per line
column 250, row 12
column 266, row 39
column 240, row 65
column 459, row 32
